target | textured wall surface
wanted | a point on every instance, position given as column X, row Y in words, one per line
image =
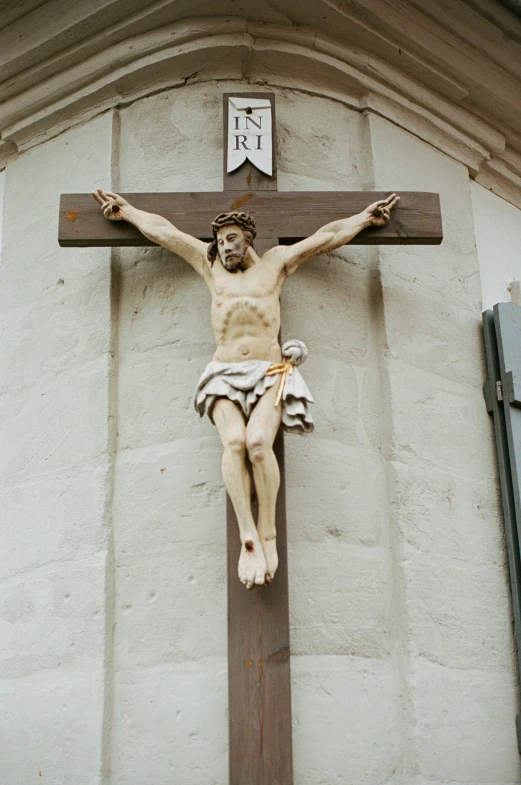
column 55, row 470
column 169, row 515
column 498, row 240
column 451, row 594
column 112, row 592
column 340, row 580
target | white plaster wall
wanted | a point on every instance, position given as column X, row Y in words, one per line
column 452, row 614
column 497, row 226
column 55, row 473
column 345, row 689
column 170, row 721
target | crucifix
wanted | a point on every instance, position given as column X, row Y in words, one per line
column 252, row 386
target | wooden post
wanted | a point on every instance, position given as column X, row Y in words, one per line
column 259, row 679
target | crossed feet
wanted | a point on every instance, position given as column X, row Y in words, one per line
column 258, row 561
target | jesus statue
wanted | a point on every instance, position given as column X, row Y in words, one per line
column 252, row 385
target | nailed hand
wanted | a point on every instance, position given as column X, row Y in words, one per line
column 379, row 212
column 111, row 204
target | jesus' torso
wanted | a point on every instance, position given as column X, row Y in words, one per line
column 245, row 311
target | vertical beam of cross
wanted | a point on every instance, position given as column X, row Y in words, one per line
column 259, row 683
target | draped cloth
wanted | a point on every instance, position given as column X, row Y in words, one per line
column 245, row 382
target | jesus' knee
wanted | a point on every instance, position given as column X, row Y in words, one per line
column 257, row 445
column 235, row 444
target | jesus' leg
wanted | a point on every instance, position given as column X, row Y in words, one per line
column 232, row 430
column 260, row 434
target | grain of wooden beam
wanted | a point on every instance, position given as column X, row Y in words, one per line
column 259, row 679
column 416, row 220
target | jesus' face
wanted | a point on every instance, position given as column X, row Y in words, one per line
column 232, row 246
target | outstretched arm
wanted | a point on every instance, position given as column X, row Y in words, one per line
column 337, row 233
column 156, row 228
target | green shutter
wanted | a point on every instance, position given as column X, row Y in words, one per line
column 502, row 328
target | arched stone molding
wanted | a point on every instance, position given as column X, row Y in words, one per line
column 283, row 56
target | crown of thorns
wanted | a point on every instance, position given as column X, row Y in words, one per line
column 243, row 220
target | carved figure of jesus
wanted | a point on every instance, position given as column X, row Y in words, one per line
column 252, row 383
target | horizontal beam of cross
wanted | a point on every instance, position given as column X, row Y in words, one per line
column 288, row 216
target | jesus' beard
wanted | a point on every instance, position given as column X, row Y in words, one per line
column 233, row 263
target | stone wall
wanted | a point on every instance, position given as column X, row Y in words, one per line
column 452, row 608
column 498, row 239
column 56, row 592
column 113, row 570
column 169, row 514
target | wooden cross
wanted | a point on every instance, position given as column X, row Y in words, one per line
column 258, row 621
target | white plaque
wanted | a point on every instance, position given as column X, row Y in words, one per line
column 249, row 133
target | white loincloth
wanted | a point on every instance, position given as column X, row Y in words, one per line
column 245, row 382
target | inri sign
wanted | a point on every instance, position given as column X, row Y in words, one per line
column 249, row 133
